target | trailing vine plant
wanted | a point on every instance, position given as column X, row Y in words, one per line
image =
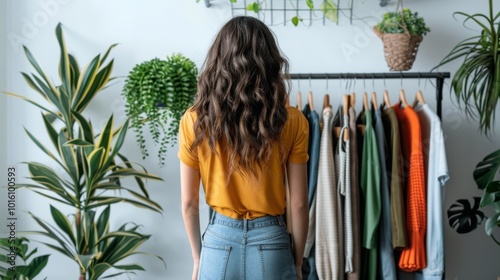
column 157, row 93
column 328, row 8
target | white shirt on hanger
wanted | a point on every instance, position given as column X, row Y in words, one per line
column 436, row 173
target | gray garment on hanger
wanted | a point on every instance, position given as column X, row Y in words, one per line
column 387, row 264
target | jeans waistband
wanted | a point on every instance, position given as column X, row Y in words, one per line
column 264, row 221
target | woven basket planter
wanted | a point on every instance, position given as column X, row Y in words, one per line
column 400, row 49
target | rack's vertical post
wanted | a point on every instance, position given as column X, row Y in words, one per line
column 439, row 94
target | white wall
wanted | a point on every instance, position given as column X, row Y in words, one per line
column 3, row 115
column 156, row 28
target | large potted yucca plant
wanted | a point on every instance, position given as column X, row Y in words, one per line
column 92, row 170
column 476, row 86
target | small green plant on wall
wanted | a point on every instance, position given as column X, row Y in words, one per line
column 328, row 8
column 157, row 93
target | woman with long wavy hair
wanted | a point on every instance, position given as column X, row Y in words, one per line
column 246, row 146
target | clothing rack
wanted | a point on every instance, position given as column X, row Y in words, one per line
column 438, row 76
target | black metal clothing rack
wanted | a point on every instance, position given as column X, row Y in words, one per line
column 438, row 76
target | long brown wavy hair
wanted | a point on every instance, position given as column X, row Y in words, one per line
column 242, row 95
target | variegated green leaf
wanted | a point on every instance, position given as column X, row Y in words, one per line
column 64, row 63
column 39, row 69
column 32, row 85
column 139, row 181
column 104, row 200
column 101, row 79
column 102, row 224
column 45, row 176
column 95, row 161
column 98, row 201
column 85, row 127
column 105, row 139
column 146, row 200
column 79, row 142
column 64, row 246
column 87, row 76
column 120, row 139
column 53, row 135
column 67, row 201
column 125, row 172
column 32, row 102
column 106, row 54
column 99, row 269
column 63, row 223
column 74, row 72
column 68, row 155
column 42, row 147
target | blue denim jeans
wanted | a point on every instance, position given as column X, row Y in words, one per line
column 246, row 249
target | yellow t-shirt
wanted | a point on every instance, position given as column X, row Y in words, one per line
column 246, row 196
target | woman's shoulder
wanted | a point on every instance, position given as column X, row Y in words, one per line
column 294, row 112
column 190, row 114
column 295, row 117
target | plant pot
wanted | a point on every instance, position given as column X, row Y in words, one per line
column 400, row 50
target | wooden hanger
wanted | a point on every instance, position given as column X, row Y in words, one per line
column 352, row 100
column 419, row 98
column 387, row 102
column 365, row 101
column 326, row 101
column 345, row 111
column 345, row 106
column 374, row 100
column 402, row 98
column 299, row 100
column 310, row 100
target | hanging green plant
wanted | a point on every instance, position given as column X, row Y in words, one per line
column 401, row 32
column 158, row 92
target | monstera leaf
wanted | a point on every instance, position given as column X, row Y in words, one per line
column 464, row 218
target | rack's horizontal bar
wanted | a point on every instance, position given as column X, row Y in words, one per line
column 390, row 75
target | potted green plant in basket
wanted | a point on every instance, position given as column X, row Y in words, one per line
column 92, row 173
column 476, row 86
column 401, row 32
column 158, row 92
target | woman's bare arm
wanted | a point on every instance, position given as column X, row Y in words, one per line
column 297, row 182
column 190, row 199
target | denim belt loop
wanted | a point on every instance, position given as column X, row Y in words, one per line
column 281, row 221
column 245, row 224
column 212, row 217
